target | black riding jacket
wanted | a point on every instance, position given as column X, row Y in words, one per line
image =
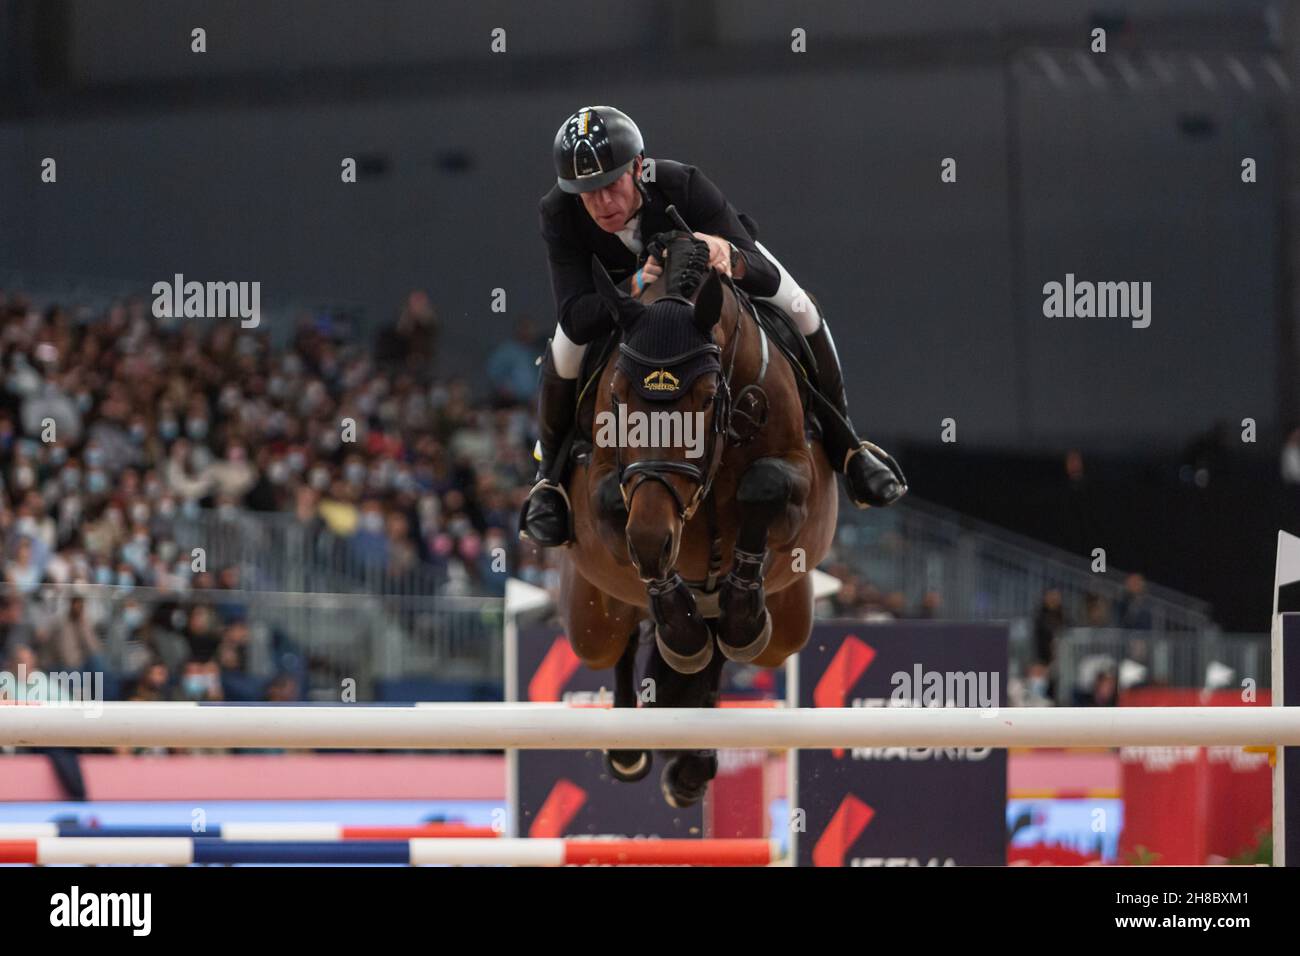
column 572, row 236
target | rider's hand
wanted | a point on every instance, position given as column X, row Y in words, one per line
column 719, row 252
column 651, row 271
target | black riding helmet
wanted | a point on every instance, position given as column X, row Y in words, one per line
column 594, row 147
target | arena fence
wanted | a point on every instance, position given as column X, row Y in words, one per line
column 982, row 572
column 1201, row 661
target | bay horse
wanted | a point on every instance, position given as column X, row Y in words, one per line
column 654, row 527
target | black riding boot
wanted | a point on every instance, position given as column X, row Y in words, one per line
column 871, row 475
column 546, row 518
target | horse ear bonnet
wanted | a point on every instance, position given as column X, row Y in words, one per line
column 664, row 353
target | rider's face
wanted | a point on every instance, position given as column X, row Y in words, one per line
column 612, row 206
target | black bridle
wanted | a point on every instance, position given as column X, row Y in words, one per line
column 637, row 473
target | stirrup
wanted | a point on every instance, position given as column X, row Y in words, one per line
column 547, row 483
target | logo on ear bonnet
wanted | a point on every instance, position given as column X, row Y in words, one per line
column 661, row 381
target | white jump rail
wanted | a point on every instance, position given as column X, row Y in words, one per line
column 545, row 727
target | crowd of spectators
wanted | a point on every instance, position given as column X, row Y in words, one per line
column 117, row 426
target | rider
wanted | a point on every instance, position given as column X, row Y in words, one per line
column 609, row 200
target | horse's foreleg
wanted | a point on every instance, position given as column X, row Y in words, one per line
column 764, row 495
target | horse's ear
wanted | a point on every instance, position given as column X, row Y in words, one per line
column 708, row 304
column 604, row 284
column 626, row 308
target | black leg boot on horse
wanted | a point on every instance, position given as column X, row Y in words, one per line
column 871, row 476
column 744, row 624
column 546, row 517
column 687, row 773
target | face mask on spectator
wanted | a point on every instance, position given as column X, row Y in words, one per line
column 167, row 550
column 197, row 428
column 276, row 386
column 190, row 508
column 103, row 575
column 94, row 456
column 58, row 455
column 84, row 402
column 373, row 521
column 71, row 478
column 167, row 507
column 24, row 476
column 133, row 617
column 200, row 458
column 139, row 512
column 355, row 472
column 137, row 433
column 195, row 686
column 278, row 473
column 26, row 526
column 97, row 482
column 168, row 429
column 125, row 579
column 320, row 479
column 296, row 460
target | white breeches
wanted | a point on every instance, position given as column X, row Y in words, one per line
column 789, row 298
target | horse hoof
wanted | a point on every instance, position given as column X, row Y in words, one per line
column 628, row 766
column 746, row 654
column 686, row 663
column 685, row 779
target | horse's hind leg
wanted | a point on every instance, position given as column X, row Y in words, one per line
column 628, row 766
column 764, row 496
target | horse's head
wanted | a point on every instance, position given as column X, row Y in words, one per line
column 668, row 402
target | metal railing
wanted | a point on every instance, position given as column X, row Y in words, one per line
column 328, row 643
column 1208, row 661
column 350, row 612
column 283, row 553
column 982, row 572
